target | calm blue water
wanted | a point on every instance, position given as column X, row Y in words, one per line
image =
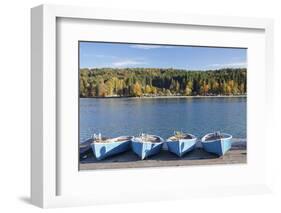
column 130, row 116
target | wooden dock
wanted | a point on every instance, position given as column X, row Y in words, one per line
column 237, row 155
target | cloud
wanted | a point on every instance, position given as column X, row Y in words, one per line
column 232, row 65
column 127, row 63
column 147, row 47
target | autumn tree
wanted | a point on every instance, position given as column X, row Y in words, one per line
column 153, row 90
column 147, row 89
column 137, row 89
column 101, row 89
column 168, row 92
column 215, row 87
column 177, row 89
column 188, row 88
column 109, row 87
column 82, row 88
column 230, row 85
column 205, row 88
column 242, row 88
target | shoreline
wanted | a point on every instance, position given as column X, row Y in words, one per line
column 171, row 96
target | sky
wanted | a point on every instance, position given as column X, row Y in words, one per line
column 123, row 55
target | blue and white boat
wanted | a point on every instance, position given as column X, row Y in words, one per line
column 105, row 147
column 217, row 143
column 146, row 145
column 181, row 143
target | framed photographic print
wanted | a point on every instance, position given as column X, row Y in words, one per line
column 150, row 106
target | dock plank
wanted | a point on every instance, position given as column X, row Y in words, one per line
column 237, row 155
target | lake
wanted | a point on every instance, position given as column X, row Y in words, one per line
column 162, row 116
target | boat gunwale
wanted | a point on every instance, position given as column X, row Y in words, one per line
column 110, row 140
column 161, row 140
column 193, row 137
column 203, row 140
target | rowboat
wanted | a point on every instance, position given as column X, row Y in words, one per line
column 105, row 147
column 181, row 143
column 217, row 143
column 146, row 145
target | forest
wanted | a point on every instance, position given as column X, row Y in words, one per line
column 139, row 82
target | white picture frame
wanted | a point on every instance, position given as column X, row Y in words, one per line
column 45, row 174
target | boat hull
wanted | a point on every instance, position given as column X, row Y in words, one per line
column 146, row 149
column 181, row 147
column 105, row 150
column 218, row 147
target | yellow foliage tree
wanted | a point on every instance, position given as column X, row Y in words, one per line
column 188, row 88
column 154, row 90
column 147, row 89
column 101, row 89
column 110, row 86
column 216, row 86
column 242, row 88
column 206, row 88
column 228, row 89
column 137, row 89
